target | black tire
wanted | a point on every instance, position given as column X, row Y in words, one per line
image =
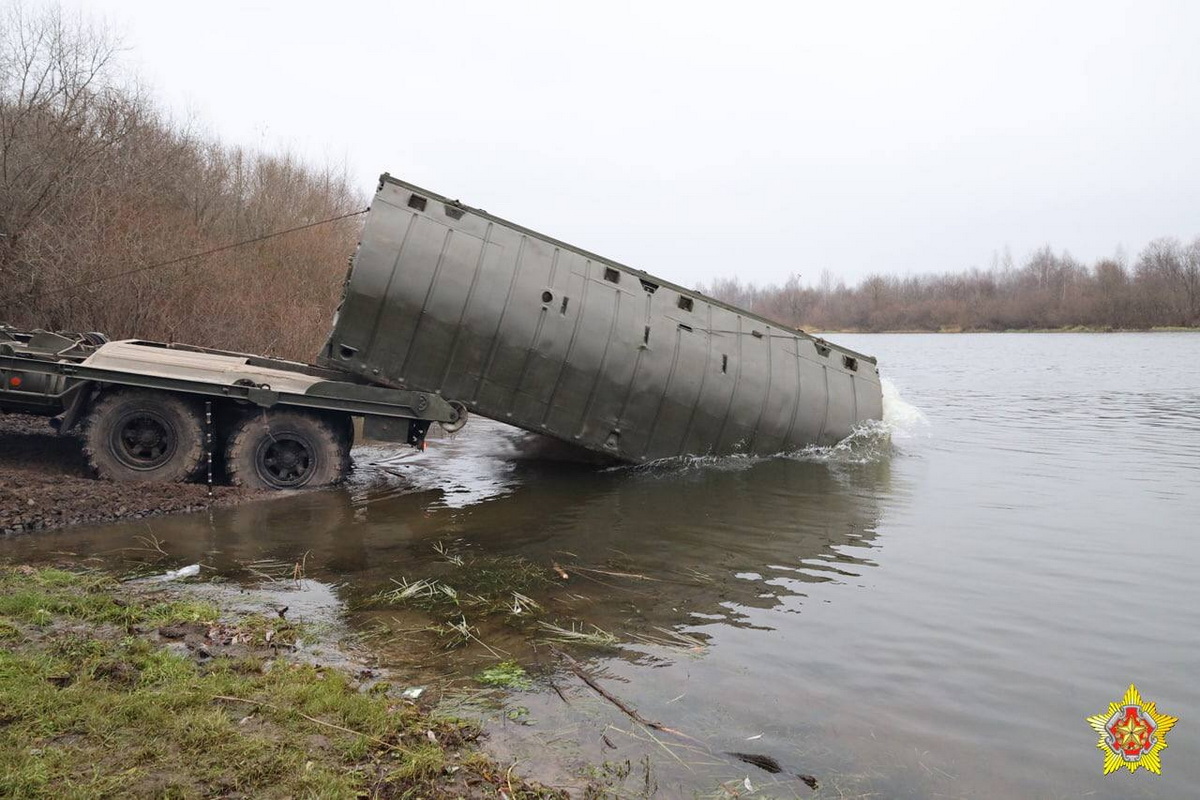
column 287, row 449
column 142, row 435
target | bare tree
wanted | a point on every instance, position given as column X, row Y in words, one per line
column 1189, row 283
column 62, row 108
column 1112, row 305
column 1172, row 283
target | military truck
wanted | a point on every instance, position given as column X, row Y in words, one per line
column 448, row 310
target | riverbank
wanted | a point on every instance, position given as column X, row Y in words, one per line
column 116, row 689
column 45, row 483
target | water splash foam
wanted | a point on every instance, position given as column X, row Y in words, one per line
column 902, row 419
column 868, row 443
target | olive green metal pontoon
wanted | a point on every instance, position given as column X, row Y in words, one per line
column 531, row 331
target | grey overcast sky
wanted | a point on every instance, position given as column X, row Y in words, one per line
column 699, row 140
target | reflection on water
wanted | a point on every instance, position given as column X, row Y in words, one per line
column 931, row 616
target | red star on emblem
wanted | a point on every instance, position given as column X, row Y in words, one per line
column 1131, row 732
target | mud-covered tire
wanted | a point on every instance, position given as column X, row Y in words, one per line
column 287, row 449
column 143, row 435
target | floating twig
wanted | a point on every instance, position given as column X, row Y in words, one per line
column 597, row 636
column 614, row 574
column 629, row 711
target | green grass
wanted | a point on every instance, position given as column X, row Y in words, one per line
column 464, row 589
column 38, row 597
column 465, row 592
column 505, row 675
column 90, row 706
column 484, row 583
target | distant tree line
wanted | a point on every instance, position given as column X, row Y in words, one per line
column 95, row 180
column 1049, row 291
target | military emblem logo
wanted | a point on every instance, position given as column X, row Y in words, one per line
column 1132, row 733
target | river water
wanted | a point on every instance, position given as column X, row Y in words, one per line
column 925, row 612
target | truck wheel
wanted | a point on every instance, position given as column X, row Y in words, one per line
column 137, row 435
column 287, row 450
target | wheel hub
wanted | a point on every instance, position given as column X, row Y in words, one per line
column 143, row 441
column 285, row 461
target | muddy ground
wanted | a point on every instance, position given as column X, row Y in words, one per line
column 46, row 483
